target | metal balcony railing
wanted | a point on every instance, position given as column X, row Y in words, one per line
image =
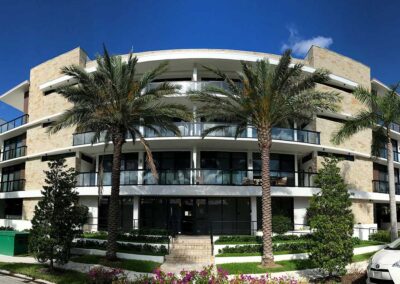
column 200, row 177
column 21, row 120
column 193, row 129
column 381, row 186
column 12, row 185
column 14, row 153
column 383, row 154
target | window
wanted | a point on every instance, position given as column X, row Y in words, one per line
column 11, row 209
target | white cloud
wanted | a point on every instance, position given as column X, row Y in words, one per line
column 300, row 46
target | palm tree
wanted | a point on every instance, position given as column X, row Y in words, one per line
column 379, row 114
column 115, row 101
column 265, row 96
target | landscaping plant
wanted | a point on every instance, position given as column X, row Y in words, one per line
column 58, row 217
column 331, row 220
column 379, row 114
column 265, row 96
column 113, row 102
column 281, row 224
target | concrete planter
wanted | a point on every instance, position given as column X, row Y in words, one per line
column 155, row 258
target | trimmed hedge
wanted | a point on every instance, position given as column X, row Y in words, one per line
column 123, row 247
column 2, row 228
column 129, row 237
column 281, row 224
column 258, row 239
column 380, row 236
column 291, row 247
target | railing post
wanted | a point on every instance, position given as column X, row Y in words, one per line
column 296, row 171
column 295, row 131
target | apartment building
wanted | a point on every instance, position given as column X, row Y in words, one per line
column 205, row 184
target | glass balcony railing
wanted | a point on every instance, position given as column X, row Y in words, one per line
column 12, row 185
column 14, row 153
column 383, row 154
column 383, row 187
column 186, row 86
column 199, row 177
column 191, row 129
column 21, row 120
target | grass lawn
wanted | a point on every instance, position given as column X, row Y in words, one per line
column 286, row 265
column 35, row 271
column 128, row 264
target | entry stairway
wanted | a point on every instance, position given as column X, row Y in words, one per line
column 188, row 253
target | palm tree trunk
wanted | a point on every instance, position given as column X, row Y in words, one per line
column 264, row 143
column 392, row 190
column 113, row 209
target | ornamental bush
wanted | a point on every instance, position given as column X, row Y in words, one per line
column 207, row 275
column 123, row 247
column 380, row 236
column 127, row 237
column 332, row 221
column 281, row 224
column 7, row 228
column 102, row 275
column 290, row 247
column 58, row 216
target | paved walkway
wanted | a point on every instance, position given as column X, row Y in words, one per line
column 12, row 280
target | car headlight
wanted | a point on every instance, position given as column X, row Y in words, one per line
column 370, row 261
column 396, row 264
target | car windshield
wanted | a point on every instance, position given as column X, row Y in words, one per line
column 394, row 245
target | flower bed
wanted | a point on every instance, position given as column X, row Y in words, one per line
column 208, row 276
column 123, row 247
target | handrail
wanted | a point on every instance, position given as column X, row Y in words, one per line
column 382, row 186
column 14, row 153
column 12, row 185
column 21, row 120
column 200, row 176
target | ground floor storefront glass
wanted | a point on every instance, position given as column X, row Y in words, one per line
column 196, row 216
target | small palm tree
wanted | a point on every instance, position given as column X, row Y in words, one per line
column 379, row 114
column 265, row 96
column 115, row 101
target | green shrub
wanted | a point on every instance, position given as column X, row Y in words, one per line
column 129, row 237
column 380, row 236
column 238, row 239
column 280, row 238
column 281, row 224
column 152, row 232
column 2, row 228
column 123, row 247
column 290, row 247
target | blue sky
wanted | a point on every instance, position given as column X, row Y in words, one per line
column 32, row 31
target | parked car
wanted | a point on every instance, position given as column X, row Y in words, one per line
column 384, row 266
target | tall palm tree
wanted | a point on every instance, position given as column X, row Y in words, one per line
column 378, row 115
column 115, row 101
column 265, row 96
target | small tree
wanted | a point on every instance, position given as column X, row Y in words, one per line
column 332, row 221
column 58, row 216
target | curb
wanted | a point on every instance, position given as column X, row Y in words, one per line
column 24, row 277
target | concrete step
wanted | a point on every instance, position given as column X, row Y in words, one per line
column 191, row 252
column 194, row 247
column 188, row 259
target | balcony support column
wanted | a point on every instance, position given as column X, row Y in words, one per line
column 140, row 168
column 295, row 131
column 195, row 165
column 96, row 170
column 194, row 76
column 296, row 171
column 136, row 204
column 250, row 174
column 300, row 205
column 253, row 214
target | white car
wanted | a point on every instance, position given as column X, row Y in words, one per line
column 384, row 266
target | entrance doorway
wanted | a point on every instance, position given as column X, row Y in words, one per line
column 194, row 216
